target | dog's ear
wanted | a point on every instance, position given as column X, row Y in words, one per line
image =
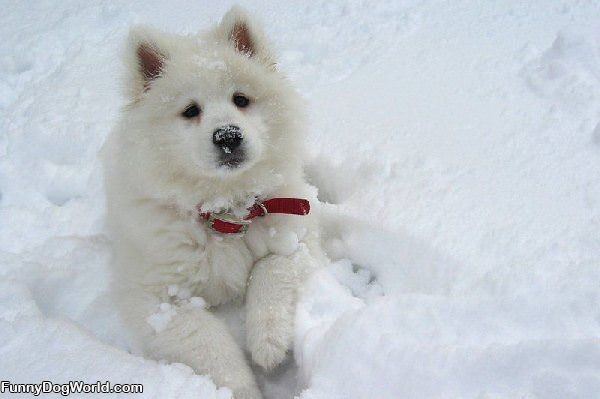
column 146, row 57
column 242, row 32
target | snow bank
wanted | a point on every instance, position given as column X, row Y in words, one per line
column 470, row 159
column 35, row 348
column 456, row 147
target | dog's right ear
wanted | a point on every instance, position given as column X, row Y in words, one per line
column 146, row 58
column 240, row 31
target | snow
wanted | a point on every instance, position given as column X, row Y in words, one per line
column 159, row 321
column 455, row 147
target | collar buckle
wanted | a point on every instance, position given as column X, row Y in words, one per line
column 228, row 221
column 227, row 218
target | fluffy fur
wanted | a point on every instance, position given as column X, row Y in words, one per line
column 160, row 166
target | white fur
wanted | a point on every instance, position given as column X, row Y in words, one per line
column 160, row 166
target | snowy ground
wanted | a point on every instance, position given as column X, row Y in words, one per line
column 456, row 146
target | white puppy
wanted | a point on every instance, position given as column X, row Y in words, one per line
column 211, row 126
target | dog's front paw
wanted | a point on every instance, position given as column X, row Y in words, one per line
column 268, row 354
column 269, row 339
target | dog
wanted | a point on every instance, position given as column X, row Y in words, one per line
column 211, row 131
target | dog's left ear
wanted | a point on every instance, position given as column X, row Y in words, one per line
column 241, row 32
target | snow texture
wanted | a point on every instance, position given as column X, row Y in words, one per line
column 456, row 148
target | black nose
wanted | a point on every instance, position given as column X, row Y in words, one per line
column 228, row 137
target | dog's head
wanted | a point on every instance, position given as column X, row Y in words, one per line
column 212, row 105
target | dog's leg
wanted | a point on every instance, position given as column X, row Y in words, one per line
column 197, row 338
column 173, row 250
column 193, row 336
column 270, row 305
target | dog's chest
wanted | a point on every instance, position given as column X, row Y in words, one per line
column 222, row 269
column 222, row 263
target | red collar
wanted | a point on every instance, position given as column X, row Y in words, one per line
column 226, row 223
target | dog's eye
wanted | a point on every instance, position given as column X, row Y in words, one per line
column 191, row 111
column 240, row 100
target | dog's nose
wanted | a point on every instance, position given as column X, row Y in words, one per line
column 228, row 137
